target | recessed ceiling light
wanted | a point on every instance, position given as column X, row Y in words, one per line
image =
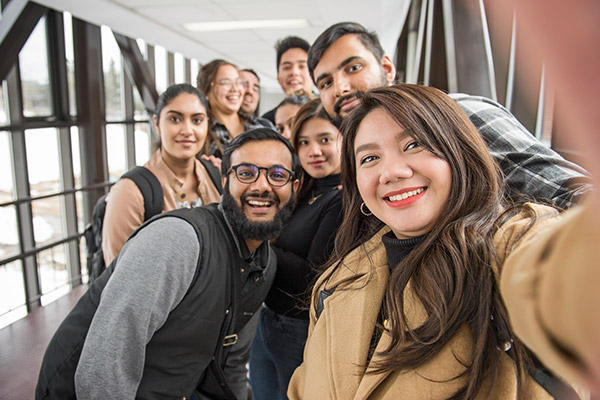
column 215, row 26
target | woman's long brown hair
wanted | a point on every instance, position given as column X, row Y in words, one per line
column 451, row 269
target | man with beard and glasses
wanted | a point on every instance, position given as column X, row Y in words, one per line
column 175, row 314
column 346, row 58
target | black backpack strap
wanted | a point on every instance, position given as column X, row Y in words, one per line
column 213, row 172
column 227, row 336
column 552, row 384
column 151, row 190
column 556, row 387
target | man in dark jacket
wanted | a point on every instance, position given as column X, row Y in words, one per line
column 184, row 289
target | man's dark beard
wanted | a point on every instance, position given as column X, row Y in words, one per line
column 252, row 229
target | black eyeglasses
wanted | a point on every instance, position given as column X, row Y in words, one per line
column 249, row 173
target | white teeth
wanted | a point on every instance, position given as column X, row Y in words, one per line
column 406, row 195
column 257, row 203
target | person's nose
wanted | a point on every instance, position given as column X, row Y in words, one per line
column 295, row 70
column 394, row 170
column 341, row 85
column 187, row 127
column 261, row 185
column 314, row 150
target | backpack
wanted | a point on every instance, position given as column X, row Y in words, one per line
column 153, row 195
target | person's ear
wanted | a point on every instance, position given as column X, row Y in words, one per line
column 223, row 180
column 389, row 68
column 295, row 185
column 155, row 123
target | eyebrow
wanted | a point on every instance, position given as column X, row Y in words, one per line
column 319, row 135
column 366, row 146
column 373, row 145
column 339, row 67
column 180, row 113
column 302, row 61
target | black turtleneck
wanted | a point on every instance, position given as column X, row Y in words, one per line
column 397, row 249
column 304, row 245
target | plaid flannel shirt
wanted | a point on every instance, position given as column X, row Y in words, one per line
column 220, row 131
column 530, row 168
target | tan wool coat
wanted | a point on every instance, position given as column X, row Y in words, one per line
column 535, row 281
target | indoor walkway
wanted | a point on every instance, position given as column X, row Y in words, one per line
column 22, row 346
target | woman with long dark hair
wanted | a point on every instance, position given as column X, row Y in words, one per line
column 181, row 121
column 302, row 247
column 430, row 260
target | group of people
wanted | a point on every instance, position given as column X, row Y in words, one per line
column 401, row 243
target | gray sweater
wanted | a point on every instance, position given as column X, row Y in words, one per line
column 150, row 281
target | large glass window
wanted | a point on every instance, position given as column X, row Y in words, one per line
column 115, row 150
column 47, row 220
column 9, row 235
column 179, row 68
column 143, row 141
column 70, row 59
column 161, row 78
column 139, row 109
column 54, row 276
column 76, row 156
column 42, row 161
column 111, row 65
column 143, row 48
column 35, row 81
column 3, row 110
column 6, row 169
column 194, row 67
column 12, row 293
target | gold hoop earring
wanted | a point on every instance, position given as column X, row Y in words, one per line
column 362, row 210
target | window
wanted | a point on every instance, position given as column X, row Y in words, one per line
column 143, row 141
column 42, row 161
column 6, row 170
column 111, row 65
column 54, row 277
column 179, row 68
column 35, row 81
column 194, row 67
column 160, row 56
column 70, row 60
column 3, row 111
column 115, row 147
column 12, row 293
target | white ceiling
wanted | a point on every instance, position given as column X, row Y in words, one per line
column 160, row 22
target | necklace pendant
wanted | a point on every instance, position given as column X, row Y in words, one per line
column 182, row 195
column 313, row 199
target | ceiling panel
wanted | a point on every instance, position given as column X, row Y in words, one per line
column 160, row 22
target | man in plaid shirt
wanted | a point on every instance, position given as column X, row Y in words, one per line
column 347, row 58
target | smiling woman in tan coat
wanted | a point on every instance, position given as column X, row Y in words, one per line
column 437, row 284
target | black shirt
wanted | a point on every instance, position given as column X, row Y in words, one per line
column 304, row 245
